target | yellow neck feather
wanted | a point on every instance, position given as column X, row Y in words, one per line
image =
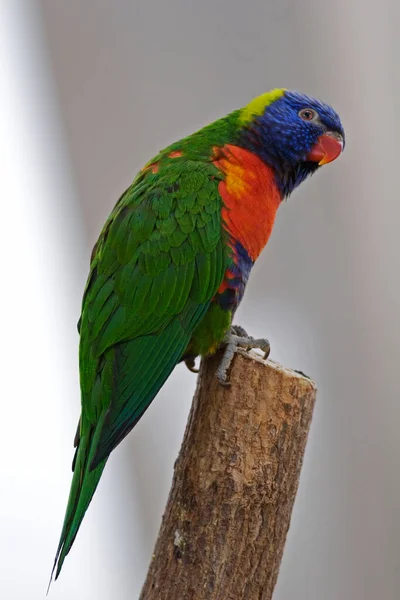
column 258, row 105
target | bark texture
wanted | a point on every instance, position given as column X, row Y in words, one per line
column 235, row 481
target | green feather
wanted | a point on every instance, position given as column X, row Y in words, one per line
column 159, row 261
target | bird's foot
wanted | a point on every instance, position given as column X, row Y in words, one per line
column 191, row 364
column 237, row 338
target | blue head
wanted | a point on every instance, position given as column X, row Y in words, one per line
column 293, row 133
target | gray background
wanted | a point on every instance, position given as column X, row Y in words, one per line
column 106, row 84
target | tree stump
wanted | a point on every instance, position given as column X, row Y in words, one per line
column 235, row 481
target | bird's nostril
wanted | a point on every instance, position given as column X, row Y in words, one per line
column 335, row 134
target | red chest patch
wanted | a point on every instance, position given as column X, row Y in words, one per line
column 250, row 195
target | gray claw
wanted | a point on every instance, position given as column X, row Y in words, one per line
column 238, row 330
column 232, row 341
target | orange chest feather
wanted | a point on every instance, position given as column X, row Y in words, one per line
column 250, row 196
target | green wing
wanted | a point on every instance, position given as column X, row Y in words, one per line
column 159, row 261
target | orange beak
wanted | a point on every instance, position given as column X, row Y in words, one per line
column 328, row 148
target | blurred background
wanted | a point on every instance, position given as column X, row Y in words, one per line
column 89, row 91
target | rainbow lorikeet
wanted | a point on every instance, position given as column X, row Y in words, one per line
column 172, row 261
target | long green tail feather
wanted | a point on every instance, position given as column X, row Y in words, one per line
column 83, row 486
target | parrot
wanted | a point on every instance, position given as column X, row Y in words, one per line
column 171, row 264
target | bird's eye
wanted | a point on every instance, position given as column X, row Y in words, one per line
column 308, row 114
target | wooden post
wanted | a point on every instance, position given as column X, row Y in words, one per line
column 235, row 481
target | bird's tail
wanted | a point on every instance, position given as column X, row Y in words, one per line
column 83, row 486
